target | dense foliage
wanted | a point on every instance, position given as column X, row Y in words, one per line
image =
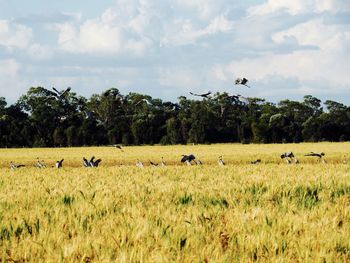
column 43, row 118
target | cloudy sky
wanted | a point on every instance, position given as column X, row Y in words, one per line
column 286, row 48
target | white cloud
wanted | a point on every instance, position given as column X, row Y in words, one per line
column 317, row 33
column 182, row 32
column 11, row 84
column 14, row 35
column 103, row 35
column 204, row 44
column 295, row 7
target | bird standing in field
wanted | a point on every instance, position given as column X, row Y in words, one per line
column 86, row 162
column 198, row 162
column 320, row 156
column 221, row 161
column 92, row 162
column 40, row 164
column 289, row 157
column 256, row 161
column 95, row 163
column 203, row 95
column 162, row 163
column 14, row 166
column 59, row 164
column 242, row 81
column 188, row 163
column 139, row 163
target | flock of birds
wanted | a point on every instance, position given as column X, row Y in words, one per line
column 189, row 160
column 238, row 81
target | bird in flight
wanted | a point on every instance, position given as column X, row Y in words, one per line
column 242, row 81
column 118, row 146
column 204, row 95
column 318, row 155
column 187, row 159
column 60, row 94
column 143, row 100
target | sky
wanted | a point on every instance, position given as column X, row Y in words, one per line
column 286, row 48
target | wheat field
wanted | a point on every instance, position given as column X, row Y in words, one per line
column 270, row 212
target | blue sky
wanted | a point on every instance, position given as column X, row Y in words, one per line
column 287, row 49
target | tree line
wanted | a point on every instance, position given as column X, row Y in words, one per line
column 45, row 118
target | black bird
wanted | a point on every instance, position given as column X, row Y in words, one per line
column 86, row 162
column 95, row 163
column 256, row 161
column 62, row 93
column 318, row 155
column 91, row 162
column 59, row 164
column 188, row 158
column 289, row 157
column 153, row 164
column 242, row 81
column 204, row 95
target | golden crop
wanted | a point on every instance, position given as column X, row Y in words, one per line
column 121, row 213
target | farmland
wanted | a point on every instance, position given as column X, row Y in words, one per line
column 118, row 212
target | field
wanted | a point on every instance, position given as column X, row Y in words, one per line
column 210, row 213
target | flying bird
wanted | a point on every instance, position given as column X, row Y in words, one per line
column 59, row 164
column 204, row 95
column 242, row 81
column 60, row 94
column 188, row 158
column 117, row 146
column 143, row 100
column 318, row 155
